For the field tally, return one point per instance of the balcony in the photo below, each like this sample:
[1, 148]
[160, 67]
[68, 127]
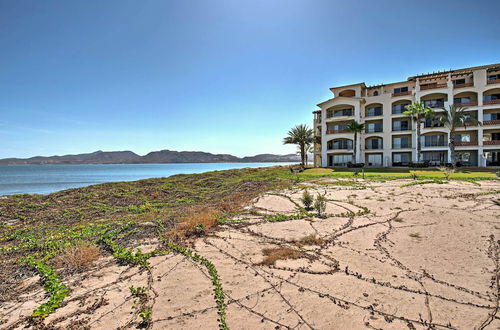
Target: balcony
[487, 102]
[491, 122]
[463, 85]
[401, 94]
[402, 146]
[434, 104]
[465, 144]
[433, 86]
[466, 104]
[491, 143]
[336, 131]
[494, 81]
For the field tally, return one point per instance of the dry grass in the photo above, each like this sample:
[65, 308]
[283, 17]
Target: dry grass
[281, 253]
[309, 240]
[201, 219]
[198, 221]
[78, 257]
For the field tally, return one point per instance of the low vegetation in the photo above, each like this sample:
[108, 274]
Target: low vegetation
[57, 235]
[280, 253]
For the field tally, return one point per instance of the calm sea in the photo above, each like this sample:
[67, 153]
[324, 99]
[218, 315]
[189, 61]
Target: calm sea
[43, 179]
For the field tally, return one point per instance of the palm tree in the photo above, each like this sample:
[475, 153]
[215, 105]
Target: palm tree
[417, 111]
[452, 118]
[355, 127]
[302, 136]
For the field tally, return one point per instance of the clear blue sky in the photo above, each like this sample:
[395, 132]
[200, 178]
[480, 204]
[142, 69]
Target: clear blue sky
[221, 76]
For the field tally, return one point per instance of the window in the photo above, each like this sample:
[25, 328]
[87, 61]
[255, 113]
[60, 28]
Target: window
[438, 140]
[462, 100]
[491, 97]
[375, 93]
[342, 159]
[494, 77]
[464, 157]
[435, 156]
[491, 116]
[337, 127]
[401, 142]
[401, 125]
[373, 127]
[374, 111]
[462, 137]
[459, 82]
[375, 143]
[342, 112]
[399, 108]
[400, 90]
[436, 103]
[374, 159]
[340, 144]
[428, 122]
[401, 157]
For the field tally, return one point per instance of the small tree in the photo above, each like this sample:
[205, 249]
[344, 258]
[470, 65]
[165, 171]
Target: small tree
[307, 199]
[320, 205]
[452, 118]
[302, 136]
[355, 127]
[417, 111]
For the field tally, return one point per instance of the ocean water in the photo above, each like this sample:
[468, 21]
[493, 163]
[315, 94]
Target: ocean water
[44, 179]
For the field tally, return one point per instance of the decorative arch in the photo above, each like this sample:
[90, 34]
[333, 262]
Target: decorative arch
[340, 144]
[348, 93]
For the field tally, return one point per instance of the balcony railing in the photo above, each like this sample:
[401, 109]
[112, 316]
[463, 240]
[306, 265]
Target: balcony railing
[429, 145]
[491, 122]
[435, 86]
[401, 93]
[491, 82]
[438, 104]
[335, 131]
[463, 85]
[401, 146]
[491, 143]
[341, 148]
[486, 102]
[466, 104]
[465, 144]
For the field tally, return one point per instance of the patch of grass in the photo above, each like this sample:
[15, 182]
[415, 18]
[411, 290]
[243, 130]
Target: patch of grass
[418, 182]
[281, 253]
[286, 217]
[196, 222]
[309, 240]
[78, 257]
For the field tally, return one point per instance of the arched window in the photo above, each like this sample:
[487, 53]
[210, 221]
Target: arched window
[375, 93]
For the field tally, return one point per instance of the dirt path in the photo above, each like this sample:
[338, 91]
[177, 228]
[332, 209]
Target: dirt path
[387, 257]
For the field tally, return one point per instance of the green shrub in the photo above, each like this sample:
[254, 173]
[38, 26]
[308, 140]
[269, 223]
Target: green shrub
[320, 205]
[307, 199]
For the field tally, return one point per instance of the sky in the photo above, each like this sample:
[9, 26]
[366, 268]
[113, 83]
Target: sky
[220, 76]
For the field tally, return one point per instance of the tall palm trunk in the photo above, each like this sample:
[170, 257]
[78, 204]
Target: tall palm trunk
[452, 149]
[355, 147]
[303, 153]
[419, 144]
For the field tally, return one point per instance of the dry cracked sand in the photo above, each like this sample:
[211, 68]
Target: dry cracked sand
[424, 257]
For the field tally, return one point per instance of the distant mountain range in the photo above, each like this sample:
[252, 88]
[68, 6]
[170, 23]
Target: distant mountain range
[162, 156]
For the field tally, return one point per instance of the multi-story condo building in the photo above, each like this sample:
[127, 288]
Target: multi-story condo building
[389, 137]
